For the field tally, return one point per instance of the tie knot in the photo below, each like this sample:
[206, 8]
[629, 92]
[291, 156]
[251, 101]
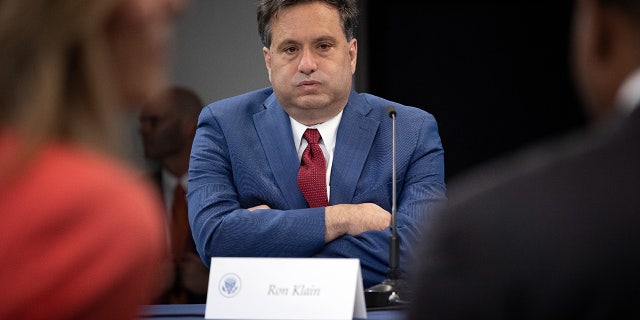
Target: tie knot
[312, 136]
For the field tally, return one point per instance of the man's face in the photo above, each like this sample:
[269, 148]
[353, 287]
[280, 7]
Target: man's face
[310, 62]
[160, 128]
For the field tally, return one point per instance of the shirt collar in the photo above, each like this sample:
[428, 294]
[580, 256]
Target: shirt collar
[628, 96]
[328, 131]
[169, 181]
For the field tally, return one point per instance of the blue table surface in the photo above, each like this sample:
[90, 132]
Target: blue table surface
[196, 311]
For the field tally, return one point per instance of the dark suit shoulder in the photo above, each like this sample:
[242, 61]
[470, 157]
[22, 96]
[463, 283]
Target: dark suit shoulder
[588, 172]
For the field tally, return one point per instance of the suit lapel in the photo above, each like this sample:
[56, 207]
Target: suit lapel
[274, 129]
[356, 133]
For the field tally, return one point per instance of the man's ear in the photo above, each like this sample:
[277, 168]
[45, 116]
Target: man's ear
[267, 60]
[604, 34]
[595, 30]
[353, 54]
[604, 52]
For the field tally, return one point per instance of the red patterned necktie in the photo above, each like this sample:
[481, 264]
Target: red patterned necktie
[180, 230]
[313, 171]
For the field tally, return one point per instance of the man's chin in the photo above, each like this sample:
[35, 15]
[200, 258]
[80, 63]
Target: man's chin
[312, 102]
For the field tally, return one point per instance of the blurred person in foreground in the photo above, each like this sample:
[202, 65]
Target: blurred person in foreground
[553, 232]
[167, 127]
[81, 236]
[303, 168]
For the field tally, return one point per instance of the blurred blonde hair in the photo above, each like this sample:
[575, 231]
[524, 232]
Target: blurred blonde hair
[56, 82]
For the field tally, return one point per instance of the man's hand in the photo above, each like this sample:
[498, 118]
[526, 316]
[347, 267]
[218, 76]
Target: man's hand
[262, 206]
[354, 219]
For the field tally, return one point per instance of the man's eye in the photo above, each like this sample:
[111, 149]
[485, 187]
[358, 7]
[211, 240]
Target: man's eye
[324, 46]
[290, 50]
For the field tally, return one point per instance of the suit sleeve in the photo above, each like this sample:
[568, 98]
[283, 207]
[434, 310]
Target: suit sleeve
[220, 222]
[421, 190]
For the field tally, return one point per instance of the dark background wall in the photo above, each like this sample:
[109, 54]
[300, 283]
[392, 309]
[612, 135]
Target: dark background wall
[496, 75]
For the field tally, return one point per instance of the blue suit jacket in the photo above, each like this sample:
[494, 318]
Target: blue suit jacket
[243, 155]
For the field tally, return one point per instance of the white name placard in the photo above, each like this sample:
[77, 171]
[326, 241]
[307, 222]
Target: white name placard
[285, 288]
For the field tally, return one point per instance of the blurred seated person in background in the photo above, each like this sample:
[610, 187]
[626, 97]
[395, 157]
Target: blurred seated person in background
[303, 168]
[81, 236]
[552, 233]
[167, 126]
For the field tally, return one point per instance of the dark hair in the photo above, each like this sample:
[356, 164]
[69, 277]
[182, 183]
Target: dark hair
[267, 9]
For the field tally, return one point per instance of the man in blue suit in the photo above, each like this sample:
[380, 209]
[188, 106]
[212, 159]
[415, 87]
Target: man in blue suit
[244, 194]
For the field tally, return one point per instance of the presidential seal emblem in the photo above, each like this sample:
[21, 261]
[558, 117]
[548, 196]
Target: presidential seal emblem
[229, 285]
